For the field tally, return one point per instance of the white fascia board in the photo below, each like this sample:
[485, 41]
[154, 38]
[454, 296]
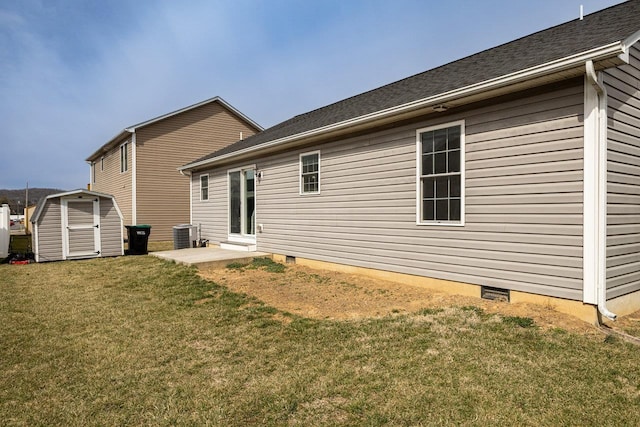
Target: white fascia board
[107, 146]
[627, 43]
[603, 52]
[191, 107]
[132, 128]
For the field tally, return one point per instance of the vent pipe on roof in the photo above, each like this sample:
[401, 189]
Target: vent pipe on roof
[581, 12]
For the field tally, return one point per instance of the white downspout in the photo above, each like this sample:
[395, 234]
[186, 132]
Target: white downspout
[601, 189]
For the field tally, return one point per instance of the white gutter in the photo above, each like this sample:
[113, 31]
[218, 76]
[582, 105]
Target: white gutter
[573, 61]
[600, 187]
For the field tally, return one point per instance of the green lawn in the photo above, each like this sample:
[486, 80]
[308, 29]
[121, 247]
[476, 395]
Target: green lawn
[139, 341]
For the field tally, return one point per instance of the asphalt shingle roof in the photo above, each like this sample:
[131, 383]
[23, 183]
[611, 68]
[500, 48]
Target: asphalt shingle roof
[598, 29]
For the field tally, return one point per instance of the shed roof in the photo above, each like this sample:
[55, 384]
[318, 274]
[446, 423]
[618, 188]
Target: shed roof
[131, 129]
[601, 36]
[80, 191]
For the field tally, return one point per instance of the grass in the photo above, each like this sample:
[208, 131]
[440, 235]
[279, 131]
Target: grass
[266, 264]
[139, 341]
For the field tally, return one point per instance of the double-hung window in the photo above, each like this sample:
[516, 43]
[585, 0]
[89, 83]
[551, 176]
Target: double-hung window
[204, 187]
[310, 173]
[441, 174]
[124, 157]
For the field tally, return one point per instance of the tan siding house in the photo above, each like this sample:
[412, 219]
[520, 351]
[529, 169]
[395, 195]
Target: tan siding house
[139, 166]
[513, 172]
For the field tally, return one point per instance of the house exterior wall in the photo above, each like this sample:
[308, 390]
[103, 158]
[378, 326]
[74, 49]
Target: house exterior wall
[623, 177]
[212, 215]
[162, 192]
[523, 228]
[48, 242]
[111, 235]
[112, 181]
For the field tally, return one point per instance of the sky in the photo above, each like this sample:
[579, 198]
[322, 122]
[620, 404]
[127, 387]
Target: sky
[75, 73]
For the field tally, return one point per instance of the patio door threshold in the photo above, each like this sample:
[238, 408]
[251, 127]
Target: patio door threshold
[239, 246]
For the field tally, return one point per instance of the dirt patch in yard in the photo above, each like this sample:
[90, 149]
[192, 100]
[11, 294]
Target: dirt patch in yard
[325, 294]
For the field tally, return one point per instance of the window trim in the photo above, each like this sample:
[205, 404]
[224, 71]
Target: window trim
[301, 182]
[202, 176]
[102, 164]
[419, 220]
[124, 165]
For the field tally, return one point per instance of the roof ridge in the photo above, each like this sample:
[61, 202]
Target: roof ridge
[430, 70]
[568, 39]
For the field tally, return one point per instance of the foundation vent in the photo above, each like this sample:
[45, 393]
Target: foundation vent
[290, 259]
[495, 294]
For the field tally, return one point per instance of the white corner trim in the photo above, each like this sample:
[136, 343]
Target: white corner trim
[190, 199]
[134, 186]
[36, 248]
[63, 228]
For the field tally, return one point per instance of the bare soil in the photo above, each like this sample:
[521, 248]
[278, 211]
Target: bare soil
[323, 294]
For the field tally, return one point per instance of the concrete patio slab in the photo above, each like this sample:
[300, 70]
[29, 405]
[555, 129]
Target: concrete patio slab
[211, 257]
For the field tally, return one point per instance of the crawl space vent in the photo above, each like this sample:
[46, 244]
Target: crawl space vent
[290, 259]
[495, 294]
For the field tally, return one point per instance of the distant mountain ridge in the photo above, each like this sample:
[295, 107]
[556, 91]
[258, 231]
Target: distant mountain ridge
[16, 198]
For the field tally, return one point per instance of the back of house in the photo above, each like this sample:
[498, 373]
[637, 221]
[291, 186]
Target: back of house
[139, 165]
[512, 173]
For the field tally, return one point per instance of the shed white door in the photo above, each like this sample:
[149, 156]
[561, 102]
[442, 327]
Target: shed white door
[81, 227]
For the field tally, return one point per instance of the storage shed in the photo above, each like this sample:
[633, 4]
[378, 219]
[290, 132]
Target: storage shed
[77, 224]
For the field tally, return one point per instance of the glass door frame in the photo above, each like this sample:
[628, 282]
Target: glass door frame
[243, 236]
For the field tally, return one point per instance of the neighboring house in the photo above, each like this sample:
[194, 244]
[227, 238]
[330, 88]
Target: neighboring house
[514, 172]
[139, 165]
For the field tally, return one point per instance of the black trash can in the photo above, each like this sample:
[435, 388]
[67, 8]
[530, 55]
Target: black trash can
[138, 236]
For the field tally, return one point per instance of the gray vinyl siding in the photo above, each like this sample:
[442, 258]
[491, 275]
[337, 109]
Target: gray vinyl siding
[523, 226]
[162, 192]
[211, 215]
[49, 246]
[623, 178]
[111, 229]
